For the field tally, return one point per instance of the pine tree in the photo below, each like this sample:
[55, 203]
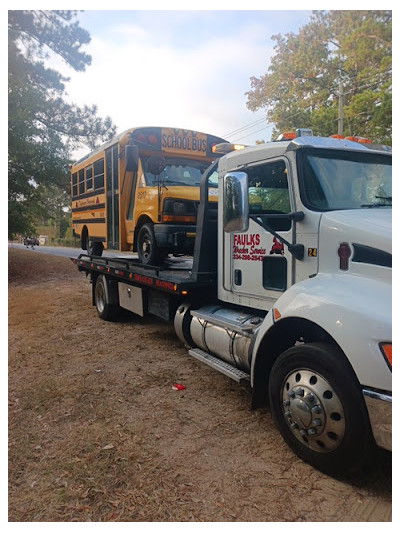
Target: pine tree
[43, 128]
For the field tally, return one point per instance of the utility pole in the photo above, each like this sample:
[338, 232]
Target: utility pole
[340, 117]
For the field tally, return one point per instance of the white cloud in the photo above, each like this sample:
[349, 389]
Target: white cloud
[139, 77]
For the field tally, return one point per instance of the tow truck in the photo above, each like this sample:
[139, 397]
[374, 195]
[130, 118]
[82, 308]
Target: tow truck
[288, 290]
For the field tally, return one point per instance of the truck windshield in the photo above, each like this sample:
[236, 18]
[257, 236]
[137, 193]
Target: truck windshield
[334, 180]
[177, 171]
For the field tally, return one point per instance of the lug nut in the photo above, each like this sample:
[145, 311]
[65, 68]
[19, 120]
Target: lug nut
[286, 402]
[317, 422]
[300, 392]
[292, 394]
[294, 425]
[312, 431]
[288, 414]
[316, 409]
[310, 397]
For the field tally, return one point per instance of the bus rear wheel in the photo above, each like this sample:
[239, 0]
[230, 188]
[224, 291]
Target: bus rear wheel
[95, 248]
[92, 247]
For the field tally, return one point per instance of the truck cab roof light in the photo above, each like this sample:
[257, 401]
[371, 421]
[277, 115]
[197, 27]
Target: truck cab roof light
[226, 148]
[361, 140]
[290, 135]
[286, 136]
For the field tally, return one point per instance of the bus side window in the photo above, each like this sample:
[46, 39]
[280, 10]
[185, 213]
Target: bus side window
[74, 184]
[89, 178]
[81, 181]
[98, 171]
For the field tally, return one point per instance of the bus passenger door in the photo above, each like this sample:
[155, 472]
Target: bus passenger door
[112, 197]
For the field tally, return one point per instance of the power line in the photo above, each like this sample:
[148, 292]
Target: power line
[250, 125]
[254, 132]
[381, 75]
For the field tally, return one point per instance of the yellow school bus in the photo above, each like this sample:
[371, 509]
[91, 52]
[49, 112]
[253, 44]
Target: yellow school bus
[140, 192]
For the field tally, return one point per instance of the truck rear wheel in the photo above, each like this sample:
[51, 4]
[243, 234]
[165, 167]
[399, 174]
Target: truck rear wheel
[318, 407]
[106, 299]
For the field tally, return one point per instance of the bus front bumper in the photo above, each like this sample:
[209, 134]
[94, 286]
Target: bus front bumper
[176, 238]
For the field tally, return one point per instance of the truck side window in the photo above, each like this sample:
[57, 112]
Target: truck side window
[269, 193]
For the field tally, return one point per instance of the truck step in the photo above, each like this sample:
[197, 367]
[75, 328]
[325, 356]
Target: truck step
[223, 367]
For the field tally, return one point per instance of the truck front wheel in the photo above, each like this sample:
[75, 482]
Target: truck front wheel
[317, 404]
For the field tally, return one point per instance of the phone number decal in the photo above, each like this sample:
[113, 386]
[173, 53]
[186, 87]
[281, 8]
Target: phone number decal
[247, 247]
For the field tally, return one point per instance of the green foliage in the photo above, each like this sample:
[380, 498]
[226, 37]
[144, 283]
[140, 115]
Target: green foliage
[43, 129]
[300, 88]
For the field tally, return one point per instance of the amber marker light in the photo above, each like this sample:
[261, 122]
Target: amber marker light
[276, 314]
[386, 349]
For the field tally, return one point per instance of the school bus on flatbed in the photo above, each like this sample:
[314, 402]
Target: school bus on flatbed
[140, 192]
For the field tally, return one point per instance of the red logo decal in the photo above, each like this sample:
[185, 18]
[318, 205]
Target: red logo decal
[277, 247]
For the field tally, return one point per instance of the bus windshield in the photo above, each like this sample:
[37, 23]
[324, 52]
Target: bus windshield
[177, 171]
[334, 180]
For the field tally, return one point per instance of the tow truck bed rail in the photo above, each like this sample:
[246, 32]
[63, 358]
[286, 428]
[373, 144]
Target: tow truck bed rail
[174, 276]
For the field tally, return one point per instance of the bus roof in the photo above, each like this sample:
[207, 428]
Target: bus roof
[127, 135]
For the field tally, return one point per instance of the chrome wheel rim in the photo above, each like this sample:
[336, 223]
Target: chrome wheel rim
[313, 410]
[146, 246]
[100, 297]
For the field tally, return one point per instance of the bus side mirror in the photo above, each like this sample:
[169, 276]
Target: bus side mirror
[235, 202]
[131, 158]
[156, 164]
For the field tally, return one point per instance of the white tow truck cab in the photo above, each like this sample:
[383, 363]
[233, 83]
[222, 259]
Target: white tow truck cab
[290, 289]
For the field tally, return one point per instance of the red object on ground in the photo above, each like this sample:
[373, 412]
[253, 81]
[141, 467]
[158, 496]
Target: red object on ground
[178, 386]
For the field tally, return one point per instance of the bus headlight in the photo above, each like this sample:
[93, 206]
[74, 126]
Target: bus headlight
[181, 211]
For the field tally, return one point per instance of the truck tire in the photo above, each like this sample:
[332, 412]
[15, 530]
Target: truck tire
[147, 246]
[106, 299]
[317, 404]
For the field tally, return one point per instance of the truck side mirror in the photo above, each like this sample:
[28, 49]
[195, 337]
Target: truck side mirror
[131, 157]
[235, 202]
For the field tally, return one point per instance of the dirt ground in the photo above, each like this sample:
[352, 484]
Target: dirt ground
[97, 433]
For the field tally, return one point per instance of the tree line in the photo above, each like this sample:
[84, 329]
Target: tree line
[43, 129]
[338, 57]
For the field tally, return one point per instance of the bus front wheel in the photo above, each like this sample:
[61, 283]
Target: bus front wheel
[147, 246]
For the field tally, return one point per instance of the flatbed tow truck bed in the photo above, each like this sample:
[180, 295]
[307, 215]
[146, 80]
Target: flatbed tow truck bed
[173, 276]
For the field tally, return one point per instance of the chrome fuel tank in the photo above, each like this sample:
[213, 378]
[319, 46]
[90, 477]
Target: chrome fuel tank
[225, 333]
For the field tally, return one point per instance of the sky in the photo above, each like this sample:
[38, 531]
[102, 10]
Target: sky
[179, 68]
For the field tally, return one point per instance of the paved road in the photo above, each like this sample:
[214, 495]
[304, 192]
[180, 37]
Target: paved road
[65, 251]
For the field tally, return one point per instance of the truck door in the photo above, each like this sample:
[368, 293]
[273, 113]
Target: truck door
[261, 265]
[112, 196]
